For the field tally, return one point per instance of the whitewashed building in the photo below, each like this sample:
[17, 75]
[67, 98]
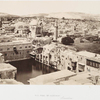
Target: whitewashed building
[1, 58]
[88, 61]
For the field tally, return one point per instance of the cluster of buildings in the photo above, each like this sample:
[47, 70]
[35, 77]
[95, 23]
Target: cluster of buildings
[47, 25]
[72, 26]
[64, 57]
[17, 46]
[14, 49]
[65, 77]
[75, 68]
[19, 28]
[7, 72]
[23, 40]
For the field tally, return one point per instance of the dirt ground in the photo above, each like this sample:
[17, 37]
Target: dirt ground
[91, 47]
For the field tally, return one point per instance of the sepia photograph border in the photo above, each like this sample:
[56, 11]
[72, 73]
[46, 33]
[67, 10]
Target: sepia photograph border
[49, 92]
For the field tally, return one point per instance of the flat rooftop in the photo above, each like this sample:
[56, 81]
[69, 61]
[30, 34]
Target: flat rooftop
[51, 77]
[84, 78]
[86, 53]
[6, 67]
[10, 81]
[0, 54]
[15, 43]
[42, 38]
[6, 36]
[90, 55]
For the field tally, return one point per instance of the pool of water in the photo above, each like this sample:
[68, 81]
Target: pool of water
[30, 68]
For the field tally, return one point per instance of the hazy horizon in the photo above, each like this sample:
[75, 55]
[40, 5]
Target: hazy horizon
[35, 7]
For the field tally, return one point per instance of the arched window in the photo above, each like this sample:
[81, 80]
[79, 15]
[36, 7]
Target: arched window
[15, 49]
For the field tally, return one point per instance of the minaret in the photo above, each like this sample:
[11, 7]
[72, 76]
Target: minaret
[40, 27]
[33, 25]
[56, 32]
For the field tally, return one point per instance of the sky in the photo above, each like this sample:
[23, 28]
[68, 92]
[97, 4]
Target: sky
[34, 7]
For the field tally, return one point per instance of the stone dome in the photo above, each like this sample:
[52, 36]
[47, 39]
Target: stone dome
[20, 24]
[33, 22]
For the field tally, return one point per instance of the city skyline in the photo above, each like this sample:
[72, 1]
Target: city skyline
[35, 7]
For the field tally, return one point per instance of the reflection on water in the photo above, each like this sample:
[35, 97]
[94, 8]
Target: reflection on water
[30, 68]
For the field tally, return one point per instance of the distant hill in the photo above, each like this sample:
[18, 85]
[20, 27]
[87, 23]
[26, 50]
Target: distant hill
[67, 15]
[7, 15]
[74, 15]
[36, 15]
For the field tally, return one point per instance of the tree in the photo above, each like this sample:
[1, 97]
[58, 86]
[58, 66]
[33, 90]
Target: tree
[67, 40]
[63, 18]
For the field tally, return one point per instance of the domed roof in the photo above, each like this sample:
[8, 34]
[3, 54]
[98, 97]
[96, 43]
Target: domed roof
[20, 24]
[33, 22]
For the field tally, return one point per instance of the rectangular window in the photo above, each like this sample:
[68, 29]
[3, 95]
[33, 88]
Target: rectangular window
[5, 54]
[8, 40]
[2, 41]
[88, 63]
[7, 48]
[81, 68]
[62, 56]
[97, 65]
[0, 76]
[1, 49]
[94, 64]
